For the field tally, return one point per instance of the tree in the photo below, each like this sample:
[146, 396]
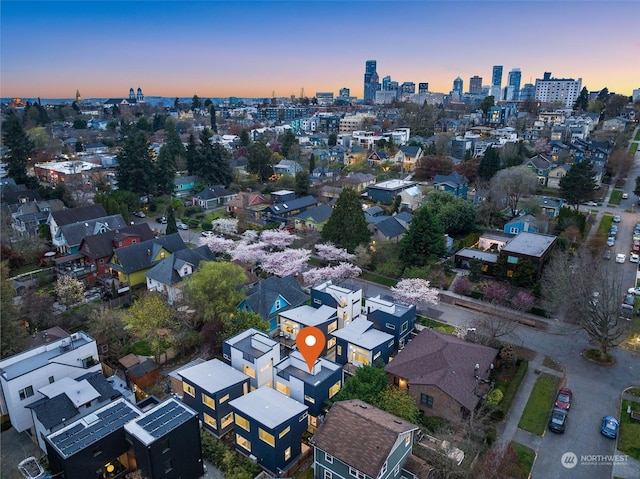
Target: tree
[212, 114]
[366, 384]
[332, 139]
[170, 159]
[69, 291]
[513, 183]
[136, 170]
[150, 319]
[487, 103]
[211, 161]
[172, 227]
[431, 165]
[215, 289]
[329, 252]
[285, 263]
[397, 401]
[457, 216]
[636, 190]
[582, 102]
[259, 160]
[489, 164]
[288, 140]
[196, 104]
[347, 227]
[108, 324]
[414, 291]
[242, 320]
[424, 239]
[20, 148]
[302, 183]
[13, 335]
[579, 184]
[244, 138]
[331, 273]
[524, 274]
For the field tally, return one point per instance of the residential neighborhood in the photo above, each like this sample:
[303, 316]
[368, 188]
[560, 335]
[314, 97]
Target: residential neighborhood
[163, 265]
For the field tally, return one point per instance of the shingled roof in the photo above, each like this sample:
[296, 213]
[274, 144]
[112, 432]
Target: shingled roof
[360, 435]
[444, 361]
[74, 233]
[167, 270]
[102, 245]
[140, 256]
[261, 296]
[74, 215]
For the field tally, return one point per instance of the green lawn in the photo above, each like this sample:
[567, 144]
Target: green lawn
[508, 381]
[433, 324]
[374, 278]
[629, 437]
[633, 149]
[616, 197]
[526, 456]
[637, 138]
[605, 225]
[536, 412]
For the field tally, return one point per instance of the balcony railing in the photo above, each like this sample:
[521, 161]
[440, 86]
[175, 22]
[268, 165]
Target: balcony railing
[75, 270]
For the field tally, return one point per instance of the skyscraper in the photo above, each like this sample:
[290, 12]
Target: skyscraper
[371, 81]
[496, 82]
[475, 85]
[423, 87]
[385, 83]
[514, 80]
[563, 90]
[458, 85]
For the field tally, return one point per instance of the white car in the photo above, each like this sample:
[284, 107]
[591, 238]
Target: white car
[208, 234]
[182, 226]
[634, 258]
[635, 291]
[621, 258]
[591, 203]
[625, 196]
[611, 241]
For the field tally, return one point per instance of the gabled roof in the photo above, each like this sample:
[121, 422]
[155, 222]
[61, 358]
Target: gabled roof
[102, 245]
[74, 233]
[390, 227]
[246, 199]
[74, 215]
[439, 359]
[13, 194]
[360, 435]
[410, 151]
[521, 219]
[213, 192]
[262, 296]
[166, 271]
[453, 179]
[539, 162]
[318, 214]
[294, 204]
[140, 256]
[54, 411]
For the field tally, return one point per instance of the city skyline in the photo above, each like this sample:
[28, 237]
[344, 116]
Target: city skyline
[258, 49]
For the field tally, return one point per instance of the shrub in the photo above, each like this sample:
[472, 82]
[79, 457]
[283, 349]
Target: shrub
[462, 286]
[207, 225]
[432, 423]
[495, 397]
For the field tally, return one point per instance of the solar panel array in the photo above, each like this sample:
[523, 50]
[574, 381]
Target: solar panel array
[79, 436]
[164, 419]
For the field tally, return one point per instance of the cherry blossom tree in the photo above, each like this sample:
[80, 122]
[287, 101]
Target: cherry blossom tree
[496, 293]
[522, 301]
[340, 271]
[250, 236]
[414, 291]
[249, 253]
[225, 225]
[284, 263]
[218, 245]
[279, 239]
[330, 252]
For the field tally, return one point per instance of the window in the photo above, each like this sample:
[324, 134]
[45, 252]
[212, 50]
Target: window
[26, 393]
[339, 350]
[426, 400]
[88, 362]
[266, 437]
[303, 417]
[104, 348]
[226, 420]
[168, 466]
[377, 355]
[189, 389]
[249, 371]
[224, 398]
[165, 446]
[355, 473]
[333, 390]
[328, 474]
[309, 399]
[512, 259]
[51, 379]
[243, 442]
[283, 388]
[404, 326]
[101, 262]
[396, 470]
[284, 432]
[287, 453]
[317, 301]
[210, 420]
[96, 451]
[243, 423]
[328, 458]
[514, 230]
[407, 439]
[332, 327]
[390, 326]
[209, 401]
[383, 470]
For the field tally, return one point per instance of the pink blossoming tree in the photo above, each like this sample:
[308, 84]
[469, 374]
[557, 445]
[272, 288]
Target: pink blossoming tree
[330, 252]
[414, 291]
[340, 271]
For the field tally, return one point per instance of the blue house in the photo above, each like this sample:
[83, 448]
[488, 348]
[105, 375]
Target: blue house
[551, 206]
[281, 212]
[268, 428]
[272, 295]
[521, 223]
[386, 191]
[395, 319]
[312, 388]
[454, 183]
[345, 298]
[254, 353]
[359, 343]
[324, 318]
[184, 185]
[208, 387]
[287, 167]
[361, 441]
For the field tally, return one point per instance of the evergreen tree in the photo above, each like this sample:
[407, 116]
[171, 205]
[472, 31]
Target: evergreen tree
[524, 274]
[302, 183]
[172, 227]
[579, 184]
[191, 155]
[582, 102]
[259, 160]
[196, 104]
[500, 268]
[636, 191]
[457, 216]
[333, 139]
[20, 145]
[213, 165]
[288, 140]
[487, 103]
[212, 114]
[312, 163]
[245, 140]
[135, 171]
[171, 153]
[424, 240]
[347, 227]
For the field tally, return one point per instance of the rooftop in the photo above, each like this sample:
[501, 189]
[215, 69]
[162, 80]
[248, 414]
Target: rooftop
[296, 366]
[213, 375]
[310, 316]
[360, 332]
[529, 244]
[393, 184]
[268, 407]
[158, 421]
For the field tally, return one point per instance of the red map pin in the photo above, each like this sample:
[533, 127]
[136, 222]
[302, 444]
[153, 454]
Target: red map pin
[310, 341]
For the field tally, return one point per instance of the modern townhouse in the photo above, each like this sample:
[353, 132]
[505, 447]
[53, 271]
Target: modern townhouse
[254, 353]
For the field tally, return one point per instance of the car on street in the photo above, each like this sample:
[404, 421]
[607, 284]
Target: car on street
[208, 234]
[591, 203]
[611, 241]
[609, 427]
[607, 255]
[616, 219]
[182, 226]
[621, 258]
[162, 220]
[140, 214]
[625, 196]
[564, 398]
[558, 420]
[635, 291]
[629, 299]
[634, 258]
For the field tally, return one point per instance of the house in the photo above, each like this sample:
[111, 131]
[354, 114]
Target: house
[344, 297]
[324, 318]
[143, 374]
[541, 167]
[287, 167]
[408, 156]
[528, 246]
[70, 236]
[184, 185]
[551, 206]
[387, 228]
[361, 441]
[392, 318]
[519, 224]
[268, 429]
[465, 256]
[377, 157]
[23, 374]
[213, 196]
[285, 210]
[386, 191]
[129, 264]
[313, 219]
[373, 214]
[359, 343]
[446, 376]
[311, 387]
[96, 148]
[245, 202]
[167, 275]
[254, 353]
[208, 388]
[58, 219]
[411, 198]
[358, 181]
[323, 173]
[556, 174]
[28, 216]
[272, 295]
[454, 183]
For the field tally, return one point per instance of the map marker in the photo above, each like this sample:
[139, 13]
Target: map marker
[310, 341]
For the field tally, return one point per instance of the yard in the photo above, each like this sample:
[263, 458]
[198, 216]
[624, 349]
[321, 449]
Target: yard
[433, 324]
[536, 412]
[616, 197]
[629, 440]
[508, 379]
[526, 456]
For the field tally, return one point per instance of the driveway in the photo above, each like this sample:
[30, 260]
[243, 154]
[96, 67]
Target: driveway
[15, 447]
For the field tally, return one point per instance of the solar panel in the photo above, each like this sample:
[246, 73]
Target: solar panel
[162, 430]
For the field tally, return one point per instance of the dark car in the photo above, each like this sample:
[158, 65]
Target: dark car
[558, 420]
[162, 220]
[609, 427]
[564, 398]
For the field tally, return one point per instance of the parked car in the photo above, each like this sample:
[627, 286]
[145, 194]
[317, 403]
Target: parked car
[591, 203]
[629, 299]
[609, 427]
[616, 219]
[564, 398]
[208, 234]
[635, 291]
[558, 420]
[140, 214]
[607, 255]
[634, 258]
[625, 196]
[182, 226]
[621, 258]
[162, 220]
[611, 241]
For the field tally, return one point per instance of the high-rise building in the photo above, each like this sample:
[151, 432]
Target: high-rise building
[385, 83]
[408, 88]
[514, 78]
[496, 82]
[345, 92]
[371, 80]
[528, 92]
[475, 85]
[563, 90]
[458, 85]
[423, 87]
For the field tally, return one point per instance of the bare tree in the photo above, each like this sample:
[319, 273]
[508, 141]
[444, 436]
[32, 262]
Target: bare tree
[513, 183]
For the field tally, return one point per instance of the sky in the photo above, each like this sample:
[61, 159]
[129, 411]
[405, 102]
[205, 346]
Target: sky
[212, 49]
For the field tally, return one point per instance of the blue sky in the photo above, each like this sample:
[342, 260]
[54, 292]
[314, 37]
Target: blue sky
[257, 48]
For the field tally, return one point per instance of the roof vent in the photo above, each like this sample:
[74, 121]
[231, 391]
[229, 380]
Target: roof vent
[148, 252]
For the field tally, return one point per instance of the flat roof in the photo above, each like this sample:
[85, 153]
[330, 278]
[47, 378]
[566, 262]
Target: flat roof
[213, 375]
[268, 406]
[158, 421]
[295, 366]
[310, 316]
[360, 332]
[485, 256]
[393, 184]
[529, 244]
[79, 392]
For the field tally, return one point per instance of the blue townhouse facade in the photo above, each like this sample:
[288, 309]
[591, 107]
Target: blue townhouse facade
[359, 343]
[268, 428]
[311, 388]
[324, 318]
[208, 388]
[392, 318]
[254, 353]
